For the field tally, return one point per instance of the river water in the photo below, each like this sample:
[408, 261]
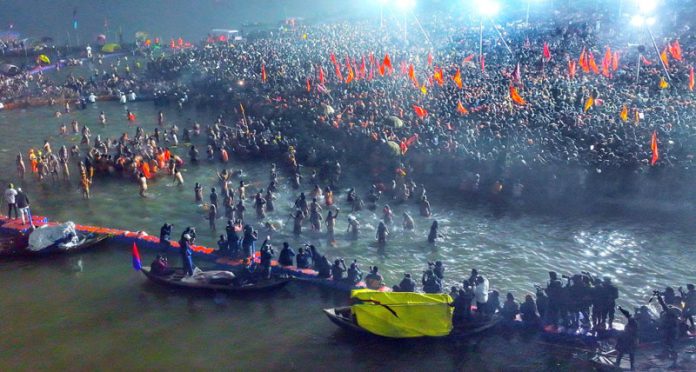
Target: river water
[91, 310]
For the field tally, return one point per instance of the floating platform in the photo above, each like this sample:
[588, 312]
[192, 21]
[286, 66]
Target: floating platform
[18, 233]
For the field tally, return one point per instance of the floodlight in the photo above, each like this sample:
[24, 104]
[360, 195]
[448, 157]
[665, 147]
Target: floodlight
[647, 6]
[405, 5]
[637, 20]
[383, 2]
[650, 21]
[488, 7]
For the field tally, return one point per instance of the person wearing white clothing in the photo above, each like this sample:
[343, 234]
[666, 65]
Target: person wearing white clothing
[10, 199]
[481, 292]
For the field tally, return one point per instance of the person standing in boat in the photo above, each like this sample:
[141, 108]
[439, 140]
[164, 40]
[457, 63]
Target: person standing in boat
[232, 239]
[266, 257]
[10, 199]
[22, 201]
[528, 312]
[481, 293]
[249, 241]
[186, 254]
[286, 256]
[627, 342]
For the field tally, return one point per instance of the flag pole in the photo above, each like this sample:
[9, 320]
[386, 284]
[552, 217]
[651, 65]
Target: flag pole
[662, 63]
[638, 66]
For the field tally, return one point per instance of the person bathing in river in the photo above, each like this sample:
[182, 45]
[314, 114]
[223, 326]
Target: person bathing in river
[433, 234]
[212, 216]
[198, 193]
[21, 168]
[178, 178]
[408, 223]
[142, 181]
[388, 215]
[331, 224]
[382, 233]
[270, 206]
[260, 204]
[298, 218]
[353, 227]
[424, 207]
[315, 215]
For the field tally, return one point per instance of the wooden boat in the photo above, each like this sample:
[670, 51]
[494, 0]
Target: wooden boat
[85, 241]
[178, 279]
[343, 317]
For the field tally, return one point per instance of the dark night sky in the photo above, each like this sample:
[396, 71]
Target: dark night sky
[167, 18]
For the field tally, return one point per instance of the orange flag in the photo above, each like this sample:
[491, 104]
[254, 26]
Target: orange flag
[691, 78]
[263, 73]
[309, 86]
[653, 148]
[664, 58]
[589, 103]
[624, 114]
[593, 64]
[468, 58]
[412, 74]
[606, 62]
[381, 69]
[458, 79]
[420, 112]
[437, 76]
[615, 61]
[663, 84]
[461, 109]
[584, 64]
[515, 96]
[571, 69]
[321, 75]
[351, 75]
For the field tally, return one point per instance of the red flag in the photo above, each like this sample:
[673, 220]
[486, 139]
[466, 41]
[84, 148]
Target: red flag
[381, 69]
[137, 265]
[571, 69]
[547, 52]
[615, 61]
[653, 147]
[430, 59]
[468, 58]
[420, 112]
[321, 75]
[333, 59]
[645, 60]
[691, 78]
[461, 109]
[675, 50]
[363, 68]
[309, 86]
[515, 96]
[483, 63]
[263, 72]
[387, 62]
[458, 79]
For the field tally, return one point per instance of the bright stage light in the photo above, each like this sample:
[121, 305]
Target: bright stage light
[405, 5]
[650, 21]
[647, 6]
[383, 2]
[637, 20]
[488, 8]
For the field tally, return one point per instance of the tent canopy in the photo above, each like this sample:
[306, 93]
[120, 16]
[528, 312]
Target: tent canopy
[403, 314]
[110, 48]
